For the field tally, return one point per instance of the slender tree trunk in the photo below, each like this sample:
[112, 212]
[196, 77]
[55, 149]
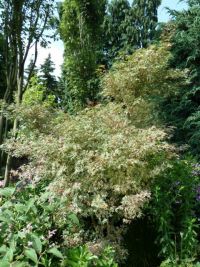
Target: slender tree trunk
[15, 126]
[4, 131]
[3, 120]
[7, 171]
[2, 134]
[1, 140]
[9, 158]
[5, 136]
[1, 127]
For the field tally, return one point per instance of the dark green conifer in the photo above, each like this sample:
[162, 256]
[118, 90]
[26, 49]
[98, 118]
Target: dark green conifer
[81, 33]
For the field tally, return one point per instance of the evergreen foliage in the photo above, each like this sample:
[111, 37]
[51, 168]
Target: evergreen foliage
[182, 109]
[115, 29]
[48, 78]
[146, 19]
[31, 68]
[81, 33]
[128, 27]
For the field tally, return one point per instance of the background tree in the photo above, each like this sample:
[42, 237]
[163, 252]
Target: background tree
[145, 20]
[23, 24]
[31, 68]
[182, 109]
[47, 76]
[2, 90]
[115, 27]
[81, 33]
[2, 68]
[129, 27]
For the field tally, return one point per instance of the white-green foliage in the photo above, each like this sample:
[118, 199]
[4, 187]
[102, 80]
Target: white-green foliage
[139, 80]
[98, 155]
[101, 160]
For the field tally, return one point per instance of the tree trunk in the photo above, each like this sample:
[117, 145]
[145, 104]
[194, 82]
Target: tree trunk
[9, 158]
[15, 126]
[3, 135]
[1, 141]
[1, 128]
[7, 171]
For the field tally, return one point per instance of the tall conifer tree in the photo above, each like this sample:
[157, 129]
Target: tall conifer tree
[81, 33]
[183, 109]
[47, 75]
[115, 28]
[129, 27]
[145, 20]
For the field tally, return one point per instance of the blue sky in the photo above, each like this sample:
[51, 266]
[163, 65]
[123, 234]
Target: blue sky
[56, 48]
[172, 4]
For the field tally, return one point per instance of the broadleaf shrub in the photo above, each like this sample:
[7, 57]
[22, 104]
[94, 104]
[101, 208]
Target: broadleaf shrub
[141, 80]
[31, 232]
[174, 205]
[102, 163]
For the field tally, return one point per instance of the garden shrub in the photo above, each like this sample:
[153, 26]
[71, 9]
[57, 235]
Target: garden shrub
[141, 80]
[102, 162]
[99, 161]
[174, 205]
[32, 235]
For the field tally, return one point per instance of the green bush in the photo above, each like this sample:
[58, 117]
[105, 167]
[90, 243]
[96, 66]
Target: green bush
[103, 162]
[169, 263]
[32, 235]
[99, 160]
[174, 206]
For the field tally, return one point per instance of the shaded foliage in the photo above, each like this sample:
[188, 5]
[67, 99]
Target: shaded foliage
[81, 33]
[175, 211]
[182, 110]
[128, 27]
[2, 68]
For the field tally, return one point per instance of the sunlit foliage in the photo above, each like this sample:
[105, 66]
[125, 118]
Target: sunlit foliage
[102, 160]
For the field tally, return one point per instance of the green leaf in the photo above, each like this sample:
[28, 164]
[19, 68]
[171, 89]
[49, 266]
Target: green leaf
[20, 264]
[13, 242]
[4, 263]
[37, 244]
[71, 263]
[74, 218]
[20, 208]
[31, 254]
[7, 192]
[30, 204]
[9, 255]
[7, 216]
[5, 219]
[3, 249]
[55, 252]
